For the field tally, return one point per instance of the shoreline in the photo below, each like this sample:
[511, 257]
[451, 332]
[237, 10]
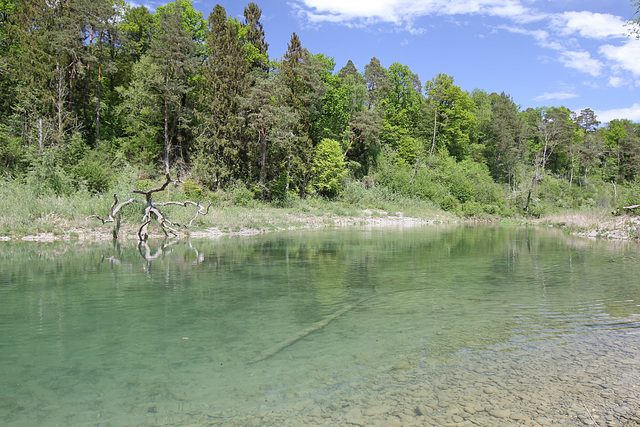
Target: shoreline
[587, 225]
[603, 226]
[297, 222]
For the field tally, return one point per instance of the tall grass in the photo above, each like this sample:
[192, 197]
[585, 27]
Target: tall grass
[25, 210]
[28, 211]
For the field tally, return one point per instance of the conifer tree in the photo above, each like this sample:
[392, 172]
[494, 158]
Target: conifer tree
[225, 77]
[258, 58]
[172, 52]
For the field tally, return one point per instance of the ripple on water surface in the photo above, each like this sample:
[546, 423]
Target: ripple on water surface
[435, 325]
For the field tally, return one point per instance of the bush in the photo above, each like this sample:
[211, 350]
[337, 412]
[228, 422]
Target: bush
[46, 176]
[242, 196]
[329, 168]
[192, 190]
[95, 171]
[13, 155]
[355, 193]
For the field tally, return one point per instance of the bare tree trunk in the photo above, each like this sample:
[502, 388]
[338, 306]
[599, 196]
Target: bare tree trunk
[40, 137]
[60, 100]
[166, 123]
[88, 79]
[99, 89]
[166, 134]
[571, 177]
[263, 161]
[433, 141]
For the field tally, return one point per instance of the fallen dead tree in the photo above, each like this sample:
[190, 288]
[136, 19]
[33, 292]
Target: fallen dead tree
[303, 333]
[151, 212]
[627, 209]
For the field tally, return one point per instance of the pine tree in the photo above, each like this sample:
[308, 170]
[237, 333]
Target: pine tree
[221, 154]
[172, 51]
[258, 58]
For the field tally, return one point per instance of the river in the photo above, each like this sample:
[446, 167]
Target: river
[429, 325]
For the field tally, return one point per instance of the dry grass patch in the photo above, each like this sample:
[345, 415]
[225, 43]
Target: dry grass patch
[596, 224]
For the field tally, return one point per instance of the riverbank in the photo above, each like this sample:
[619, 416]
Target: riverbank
[595, 225]
[231, 222]
[240, 221]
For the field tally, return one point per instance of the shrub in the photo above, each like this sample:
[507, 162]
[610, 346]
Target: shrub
[46, 176]
[192, 190]
[94, 170]
[13, 155]
[354, 192]
[329, 168]
[242, 196]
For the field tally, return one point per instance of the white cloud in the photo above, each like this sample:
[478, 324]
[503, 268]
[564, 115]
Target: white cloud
[570, 35]
[625, 56]
[590, 25]
[542, 37]
[617, 81]
[401, 11]
[582, 61]
[555, 95]
[631, 113]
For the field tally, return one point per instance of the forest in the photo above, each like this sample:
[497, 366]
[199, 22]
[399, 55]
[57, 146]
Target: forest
[95, 89]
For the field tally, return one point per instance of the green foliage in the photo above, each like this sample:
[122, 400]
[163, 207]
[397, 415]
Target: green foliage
[137, 28]
[634, 21]
[94, 171]
[279, 188]
[93, 89]
[628, 194]
[141, 113]
[192, 21]
[240, 195]
[329, 168]
[455, 114]
[465, 188]
[335, 113]
[46, 176]
[192, 190]
[13, 155]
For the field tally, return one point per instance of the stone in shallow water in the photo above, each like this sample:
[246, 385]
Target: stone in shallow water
[377, 410]
[500, 413]
[421, 410]
[354, 416]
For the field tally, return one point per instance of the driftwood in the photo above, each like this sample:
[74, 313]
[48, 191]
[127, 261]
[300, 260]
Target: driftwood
[303, 333]
[114, 214]
[151, 210]
[627, 208]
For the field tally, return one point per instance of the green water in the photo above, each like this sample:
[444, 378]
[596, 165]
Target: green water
[323, 327]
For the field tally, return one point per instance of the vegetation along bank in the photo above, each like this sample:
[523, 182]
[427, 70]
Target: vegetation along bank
[100, 97]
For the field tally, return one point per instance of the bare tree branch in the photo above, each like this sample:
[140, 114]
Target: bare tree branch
[150, 210]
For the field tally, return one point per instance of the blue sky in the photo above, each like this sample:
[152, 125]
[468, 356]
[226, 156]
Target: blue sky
[574, 53]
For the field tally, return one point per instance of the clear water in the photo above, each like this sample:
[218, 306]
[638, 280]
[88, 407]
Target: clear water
[422, 325]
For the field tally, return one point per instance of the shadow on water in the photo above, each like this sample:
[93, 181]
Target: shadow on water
[429, 324]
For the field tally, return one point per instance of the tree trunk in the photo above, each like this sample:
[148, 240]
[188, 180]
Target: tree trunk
[40, 137]
[433, 141]
[263, 161]
[99, 89]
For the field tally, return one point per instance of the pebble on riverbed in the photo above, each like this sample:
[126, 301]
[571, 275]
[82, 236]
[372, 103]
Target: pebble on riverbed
[543, 387]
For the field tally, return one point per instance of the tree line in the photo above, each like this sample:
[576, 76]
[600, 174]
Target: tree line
[92, 85]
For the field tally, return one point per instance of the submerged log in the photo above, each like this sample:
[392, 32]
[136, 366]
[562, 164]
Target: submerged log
[303, 333]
